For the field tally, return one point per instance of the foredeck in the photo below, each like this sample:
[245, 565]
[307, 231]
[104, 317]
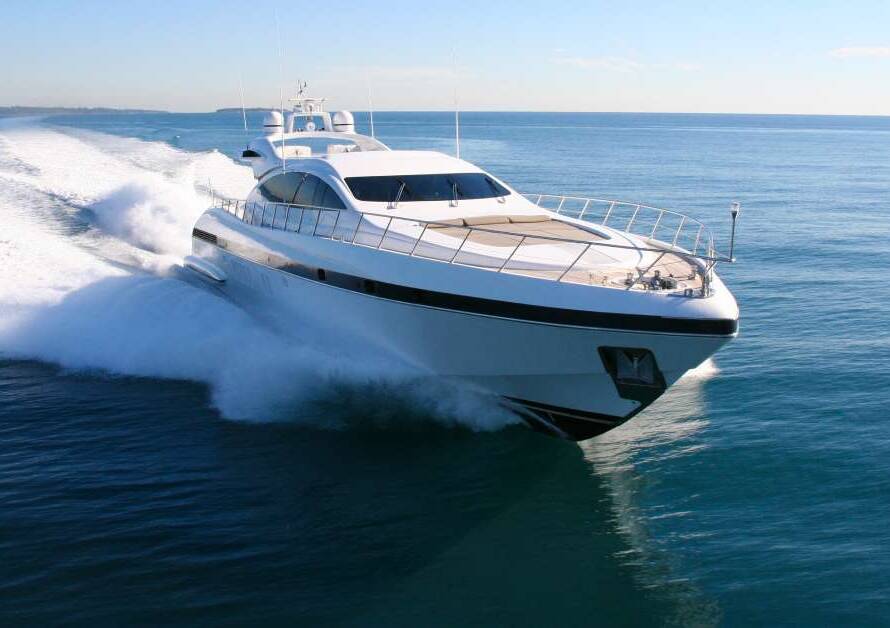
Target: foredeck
[537, 231]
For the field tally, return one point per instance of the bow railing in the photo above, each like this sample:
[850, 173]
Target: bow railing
[534, 255]
[653, 223]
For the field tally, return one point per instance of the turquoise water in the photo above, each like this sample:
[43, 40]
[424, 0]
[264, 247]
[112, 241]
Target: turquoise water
[166, 457]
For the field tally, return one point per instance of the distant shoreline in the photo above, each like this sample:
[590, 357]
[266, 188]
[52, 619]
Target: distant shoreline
[10, 111]
[43, 111]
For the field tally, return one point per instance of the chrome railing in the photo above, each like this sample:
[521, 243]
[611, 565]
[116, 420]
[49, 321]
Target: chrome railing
[515, 253]
[662, 225]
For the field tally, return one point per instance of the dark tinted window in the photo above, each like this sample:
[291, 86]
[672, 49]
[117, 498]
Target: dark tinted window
[306, 193]
[320, 188]
[282, 188]
[331, 199]
[300, 189]
[425, 187]
[470, 186]
[380, 189]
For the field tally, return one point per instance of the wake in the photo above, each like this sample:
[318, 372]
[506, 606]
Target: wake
[94, 230]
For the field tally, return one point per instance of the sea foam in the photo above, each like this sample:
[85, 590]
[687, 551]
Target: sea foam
[94, 225]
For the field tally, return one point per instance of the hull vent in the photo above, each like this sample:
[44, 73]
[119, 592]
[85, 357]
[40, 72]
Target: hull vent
[203, 235]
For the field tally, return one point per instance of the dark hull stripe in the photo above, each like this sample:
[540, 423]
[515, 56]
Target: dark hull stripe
[605, 419]
[564, 422]
[479, 305]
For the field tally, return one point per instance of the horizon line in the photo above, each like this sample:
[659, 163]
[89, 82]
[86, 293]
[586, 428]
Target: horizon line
[63, 108]
[446, 111]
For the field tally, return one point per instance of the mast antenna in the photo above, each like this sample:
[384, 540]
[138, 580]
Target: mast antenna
[370, 106]
[456, 108]
[280, 89]
[243, 110]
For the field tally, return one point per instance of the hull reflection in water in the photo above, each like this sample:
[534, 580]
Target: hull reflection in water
[665, 431]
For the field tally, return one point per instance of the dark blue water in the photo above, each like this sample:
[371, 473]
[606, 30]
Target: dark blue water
[164, 457]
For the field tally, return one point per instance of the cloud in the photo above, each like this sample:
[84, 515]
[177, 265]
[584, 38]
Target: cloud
[614, 64]
[851, 52]
[620, 64]
[403, 72]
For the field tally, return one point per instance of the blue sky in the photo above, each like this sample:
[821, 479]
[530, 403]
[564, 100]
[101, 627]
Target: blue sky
[714, 56]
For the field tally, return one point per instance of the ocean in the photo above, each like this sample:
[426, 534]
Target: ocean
[167, 458]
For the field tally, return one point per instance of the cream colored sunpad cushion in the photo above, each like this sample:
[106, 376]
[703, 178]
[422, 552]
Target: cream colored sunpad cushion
[445, 224]
[475, 221]
[529, 218]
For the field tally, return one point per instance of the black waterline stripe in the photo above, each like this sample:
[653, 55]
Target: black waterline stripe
[479, 305]
[561, 412]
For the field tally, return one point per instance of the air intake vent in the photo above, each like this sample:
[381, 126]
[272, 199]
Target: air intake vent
[203, 235]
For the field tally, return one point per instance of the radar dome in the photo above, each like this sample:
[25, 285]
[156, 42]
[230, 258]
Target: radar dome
[273, 122]
[343, 122]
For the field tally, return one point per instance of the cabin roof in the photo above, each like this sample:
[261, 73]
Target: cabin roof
[396, 162]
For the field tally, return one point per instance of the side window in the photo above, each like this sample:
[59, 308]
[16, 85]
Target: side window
[306, 193]
[331, 199]
[283, 187]
[320, 188]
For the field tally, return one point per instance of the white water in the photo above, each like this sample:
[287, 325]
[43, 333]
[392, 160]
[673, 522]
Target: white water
[93, 227]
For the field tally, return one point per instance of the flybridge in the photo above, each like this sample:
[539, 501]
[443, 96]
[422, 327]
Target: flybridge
[305, 131]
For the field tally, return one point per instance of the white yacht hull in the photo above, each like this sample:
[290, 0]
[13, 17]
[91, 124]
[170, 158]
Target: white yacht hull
[555, 375]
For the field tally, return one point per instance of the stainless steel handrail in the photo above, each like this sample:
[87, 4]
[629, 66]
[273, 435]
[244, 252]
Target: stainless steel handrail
[254, 213]
[689, 230]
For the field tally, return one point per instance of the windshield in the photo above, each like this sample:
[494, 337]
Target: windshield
[425, 187]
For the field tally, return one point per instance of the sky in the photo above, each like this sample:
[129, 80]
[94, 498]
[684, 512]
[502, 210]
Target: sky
[780, 56]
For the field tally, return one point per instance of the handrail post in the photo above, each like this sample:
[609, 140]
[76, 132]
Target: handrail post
[358, 226]
[302, 213]
[419, 238]
[608, 213]
[562, 200]
[632, 218]
[317, 221]
[336, 221]
[680, 228]
[385, 231]
[263, 217]
[657, 220]
[286, 216]
[697, 236]
[572, 265]
[515, 248]
[583, 209]
[462, 242]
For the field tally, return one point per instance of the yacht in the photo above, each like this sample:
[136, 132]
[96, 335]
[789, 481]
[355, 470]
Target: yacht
[576, 313]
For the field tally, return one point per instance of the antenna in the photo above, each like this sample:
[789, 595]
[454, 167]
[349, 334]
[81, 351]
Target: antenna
[370, 106]
[243, 110]
[456, 108]
[280, 89]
